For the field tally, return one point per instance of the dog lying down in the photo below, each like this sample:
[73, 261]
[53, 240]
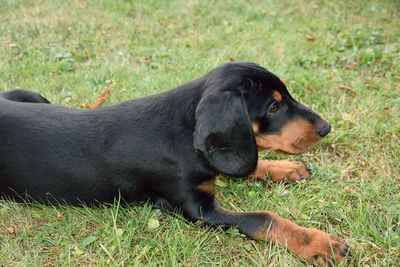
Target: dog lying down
[167, 149]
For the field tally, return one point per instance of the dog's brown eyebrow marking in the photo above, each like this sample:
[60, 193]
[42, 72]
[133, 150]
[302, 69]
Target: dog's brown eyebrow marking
[277, 96]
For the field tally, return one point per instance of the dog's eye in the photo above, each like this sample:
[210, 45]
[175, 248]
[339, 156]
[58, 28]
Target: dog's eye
[274, 107]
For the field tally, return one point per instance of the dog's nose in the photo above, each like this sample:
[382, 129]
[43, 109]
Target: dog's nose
[324, 129]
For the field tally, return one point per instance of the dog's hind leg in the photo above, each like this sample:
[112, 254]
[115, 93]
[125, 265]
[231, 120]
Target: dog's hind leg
[20, 95]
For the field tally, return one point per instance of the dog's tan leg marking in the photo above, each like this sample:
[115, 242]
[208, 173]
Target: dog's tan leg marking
[280, 170]
[207, 187]
[313, 245]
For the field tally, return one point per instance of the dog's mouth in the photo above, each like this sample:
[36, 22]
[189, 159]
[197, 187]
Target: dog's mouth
[299, 146]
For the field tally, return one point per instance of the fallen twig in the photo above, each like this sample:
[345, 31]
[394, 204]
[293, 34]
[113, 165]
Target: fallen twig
[102, 98]
[346, 88]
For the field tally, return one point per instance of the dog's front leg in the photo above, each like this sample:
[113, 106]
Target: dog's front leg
[281, 170]
[311, 244]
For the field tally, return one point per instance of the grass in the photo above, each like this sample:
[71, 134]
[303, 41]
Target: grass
[342, 58]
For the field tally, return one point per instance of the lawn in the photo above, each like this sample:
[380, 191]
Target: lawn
[342, 58]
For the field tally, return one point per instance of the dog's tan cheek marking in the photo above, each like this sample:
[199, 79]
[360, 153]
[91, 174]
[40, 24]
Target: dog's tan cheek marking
[207, 187]
[277, 96]
[269, 141]
[308, 132]
[298, 132]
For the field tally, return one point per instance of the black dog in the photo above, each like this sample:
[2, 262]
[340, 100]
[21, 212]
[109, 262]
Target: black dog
[168, 149]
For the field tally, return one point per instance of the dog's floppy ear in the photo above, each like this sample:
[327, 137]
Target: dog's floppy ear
[223, 134]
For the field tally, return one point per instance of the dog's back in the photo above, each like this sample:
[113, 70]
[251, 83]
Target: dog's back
[37, 139]
[86, 155]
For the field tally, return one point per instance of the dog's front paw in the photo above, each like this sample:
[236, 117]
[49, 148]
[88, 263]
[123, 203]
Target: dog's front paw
[281, 170]
[324, 249]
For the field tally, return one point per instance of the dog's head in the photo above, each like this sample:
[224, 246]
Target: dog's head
[244, 109]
